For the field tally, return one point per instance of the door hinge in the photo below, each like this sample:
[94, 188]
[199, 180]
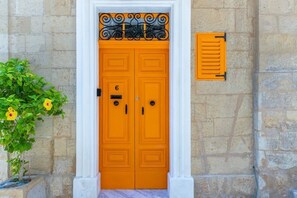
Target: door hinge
[98, 92]
[224, 37]
[223, 75]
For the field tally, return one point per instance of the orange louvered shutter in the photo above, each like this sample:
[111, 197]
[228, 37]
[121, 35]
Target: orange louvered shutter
[211, 56]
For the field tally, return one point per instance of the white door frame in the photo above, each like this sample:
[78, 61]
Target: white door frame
[87, 181]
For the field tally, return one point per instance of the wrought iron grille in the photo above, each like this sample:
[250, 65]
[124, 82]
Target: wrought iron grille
[134, 26]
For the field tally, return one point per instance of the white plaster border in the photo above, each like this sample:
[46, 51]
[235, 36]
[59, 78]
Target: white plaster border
[87, 181]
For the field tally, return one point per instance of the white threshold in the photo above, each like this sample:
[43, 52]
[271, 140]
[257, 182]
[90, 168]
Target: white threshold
[86, 184]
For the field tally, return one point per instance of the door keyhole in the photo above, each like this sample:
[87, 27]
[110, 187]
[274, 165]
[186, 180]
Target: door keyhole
[116, 103]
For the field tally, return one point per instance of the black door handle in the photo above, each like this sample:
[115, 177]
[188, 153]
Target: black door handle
[152, 103]
[126, 109]
[142, 110]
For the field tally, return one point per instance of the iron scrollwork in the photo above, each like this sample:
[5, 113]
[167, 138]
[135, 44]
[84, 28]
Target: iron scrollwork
[134, 26]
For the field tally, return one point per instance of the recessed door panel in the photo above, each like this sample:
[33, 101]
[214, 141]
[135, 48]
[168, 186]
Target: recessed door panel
[152, 94]
[151, 62]
[152, 158]
[119, 158]
[115, 119]
[120, 61]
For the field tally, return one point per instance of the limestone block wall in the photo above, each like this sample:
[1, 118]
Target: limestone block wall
[3, 29]
[222, 135]
[44, 32]
[3, 165]
[3, 57]
[276, 104]
[261, 62]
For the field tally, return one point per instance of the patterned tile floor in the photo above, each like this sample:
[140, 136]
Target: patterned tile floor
[133, 194]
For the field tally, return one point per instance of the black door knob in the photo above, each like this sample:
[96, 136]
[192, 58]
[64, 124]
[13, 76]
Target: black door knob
[116, 103]
[152, 103]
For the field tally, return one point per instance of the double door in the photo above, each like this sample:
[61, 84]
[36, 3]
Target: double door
[133, 115]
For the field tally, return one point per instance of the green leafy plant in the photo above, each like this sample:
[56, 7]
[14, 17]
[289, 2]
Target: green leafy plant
[24, 99]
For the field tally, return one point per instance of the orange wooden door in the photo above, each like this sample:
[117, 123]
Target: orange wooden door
[134, 129]
[151, 131]
[117, 118]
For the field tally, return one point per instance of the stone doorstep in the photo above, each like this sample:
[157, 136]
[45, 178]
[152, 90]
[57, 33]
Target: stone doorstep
[34, 189]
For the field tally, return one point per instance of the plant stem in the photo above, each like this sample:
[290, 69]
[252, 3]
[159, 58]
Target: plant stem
[21, 173]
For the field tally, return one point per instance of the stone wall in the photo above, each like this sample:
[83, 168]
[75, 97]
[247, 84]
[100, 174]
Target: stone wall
[222, 124]
[43, 31]
[3, 57]
[222, 135]
[276, 104]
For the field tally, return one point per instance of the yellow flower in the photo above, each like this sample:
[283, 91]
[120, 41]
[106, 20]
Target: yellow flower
[47, 104]
[11, 114]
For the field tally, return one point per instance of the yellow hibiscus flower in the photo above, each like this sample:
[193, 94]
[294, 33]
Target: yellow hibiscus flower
[11, 114]
[47, 104]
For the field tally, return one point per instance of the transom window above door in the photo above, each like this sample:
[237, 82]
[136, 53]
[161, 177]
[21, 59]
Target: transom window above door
[134, 26]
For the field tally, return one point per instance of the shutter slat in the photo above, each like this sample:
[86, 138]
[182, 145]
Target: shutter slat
[207, 67]
[211, 71]
[209, 60]
[210, 65]
[211, 45]
[208, 41]
[212, 62]
[210, 56]
[211, 48]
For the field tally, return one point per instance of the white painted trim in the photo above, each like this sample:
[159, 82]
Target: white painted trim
[87, 180]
